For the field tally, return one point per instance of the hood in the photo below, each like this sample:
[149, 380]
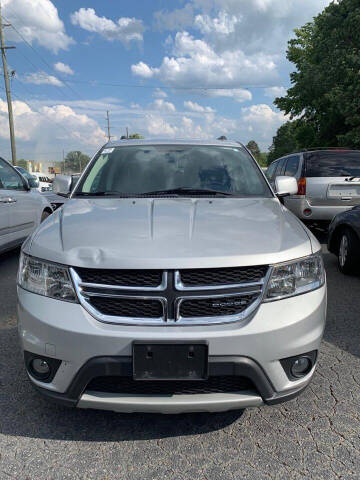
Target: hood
[170, 233]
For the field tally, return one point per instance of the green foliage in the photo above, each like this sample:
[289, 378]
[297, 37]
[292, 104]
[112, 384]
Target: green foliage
[135, 136]
[325, 94]
[262, 159]
[253, 147]
[20, 162]
[76, 161]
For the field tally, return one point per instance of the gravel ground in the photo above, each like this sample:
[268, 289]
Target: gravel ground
[316, 436]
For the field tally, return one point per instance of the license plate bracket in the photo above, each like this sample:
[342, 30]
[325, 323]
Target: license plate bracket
[170, 361]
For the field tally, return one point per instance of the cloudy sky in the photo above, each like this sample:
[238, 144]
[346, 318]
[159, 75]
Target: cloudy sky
[163, 68]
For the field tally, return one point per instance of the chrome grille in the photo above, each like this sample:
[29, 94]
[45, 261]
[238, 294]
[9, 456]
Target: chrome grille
[163, 297]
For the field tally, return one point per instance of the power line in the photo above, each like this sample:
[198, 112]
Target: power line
[38, 54]
[94, 83]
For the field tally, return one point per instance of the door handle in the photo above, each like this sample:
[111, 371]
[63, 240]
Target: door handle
[8, 200]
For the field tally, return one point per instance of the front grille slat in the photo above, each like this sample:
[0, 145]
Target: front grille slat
[214, 384]
[222, 276]
[126, 307]
[124, 278]
[216, 306]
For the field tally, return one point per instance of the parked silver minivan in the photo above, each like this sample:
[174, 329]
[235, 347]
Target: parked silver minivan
[328, 182]
[172, 280]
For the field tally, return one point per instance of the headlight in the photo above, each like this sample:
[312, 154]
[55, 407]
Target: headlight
[294, 278]
[46, 278]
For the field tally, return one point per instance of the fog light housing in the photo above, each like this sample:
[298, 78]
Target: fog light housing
[300, 367]
[40, 367]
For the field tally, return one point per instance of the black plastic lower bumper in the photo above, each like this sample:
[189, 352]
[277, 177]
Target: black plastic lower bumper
[122, 366]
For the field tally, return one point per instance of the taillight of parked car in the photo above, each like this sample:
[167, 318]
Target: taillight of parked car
[302, 186]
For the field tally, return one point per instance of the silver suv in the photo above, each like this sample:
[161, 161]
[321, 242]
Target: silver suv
[328, 182]
[172, 280]
[22, 208]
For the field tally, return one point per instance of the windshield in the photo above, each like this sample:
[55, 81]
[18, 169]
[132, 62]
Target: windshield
[33, 181]
[147, 169]
[333, 164]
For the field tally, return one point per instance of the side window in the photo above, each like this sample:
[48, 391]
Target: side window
[280, 167]
[10, 179]
[271, 170]
[292, 166]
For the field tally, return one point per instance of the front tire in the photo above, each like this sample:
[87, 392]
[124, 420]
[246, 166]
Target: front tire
[349, 252]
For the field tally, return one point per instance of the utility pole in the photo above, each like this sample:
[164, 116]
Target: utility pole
[127, 132]
[108, 126]
[7, 89]
[63, 158]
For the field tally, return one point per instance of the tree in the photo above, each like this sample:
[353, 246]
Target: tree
[290, 137]
[135, 136]
[325, 93]
[20, 162]
[253, 147]
[76, 161]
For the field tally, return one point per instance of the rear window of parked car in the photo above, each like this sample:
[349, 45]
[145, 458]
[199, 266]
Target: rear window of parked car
[333, 164]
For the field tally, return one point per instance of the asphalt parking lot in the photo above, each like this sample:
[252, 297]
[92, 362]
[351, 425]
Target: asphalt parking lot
[316, 436]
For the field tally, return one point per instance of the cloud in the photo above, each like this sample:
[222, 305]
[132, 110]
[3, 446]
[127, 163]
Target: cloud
[142, 70]
[124, 29]
[158, 93]
[43, 78]
[224, 24]
[273, 92]
[38, 22]
[195, 107]
[162, 105]
[196, 63]
[262, 121]
[51, 125]
[177, 19]
[238, 94]
[63, 68]
[249, 25]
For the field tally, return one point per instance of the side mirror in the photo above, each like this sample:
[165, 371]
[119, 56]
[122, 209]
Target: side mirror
[33, 182]
[26, 184]
[285, 186]
[62, 185]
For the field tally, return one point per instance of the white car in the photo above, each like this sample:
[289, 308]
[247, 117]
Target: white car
[22, 208]
[45, 184]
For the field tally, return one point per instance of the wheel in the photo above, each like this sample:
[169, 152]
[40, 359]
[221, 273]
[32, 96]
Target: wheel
[45, 214]
[349, 252]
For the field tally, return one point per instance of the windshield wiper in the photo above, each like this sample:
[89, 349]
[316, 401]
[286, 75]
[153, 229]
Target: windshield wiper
[189, 191]
[97, 194]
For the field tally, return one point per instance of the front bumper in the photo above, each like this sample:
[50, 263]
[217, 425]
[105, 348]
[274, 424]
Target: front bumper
[275, 331]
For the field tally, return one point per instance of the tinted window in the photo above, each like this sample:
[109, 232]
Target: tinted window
[146, 168]
[9, 178]
[280, 167]
[271, 170]
[292, 166]
[333, 164]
